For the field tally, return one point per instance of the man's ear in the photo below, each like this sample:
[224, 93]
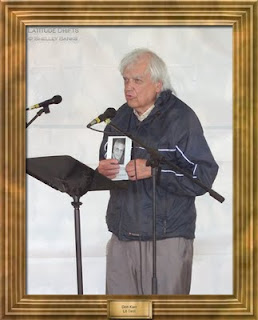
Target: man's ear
[158, 86]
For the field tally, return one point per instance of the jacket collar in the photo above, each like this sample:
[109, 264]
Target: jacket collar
[161, 104]
[163, 97]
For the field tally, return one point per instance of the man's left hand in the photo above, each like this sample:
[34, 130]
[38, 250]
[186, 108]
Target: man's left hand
[137, 169]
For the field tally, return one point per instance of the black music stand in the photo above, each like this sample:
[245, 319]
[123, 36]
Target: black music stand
[73, 177]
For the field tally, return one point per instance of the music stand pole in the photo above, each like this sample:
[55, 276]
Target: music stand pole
[76, 204]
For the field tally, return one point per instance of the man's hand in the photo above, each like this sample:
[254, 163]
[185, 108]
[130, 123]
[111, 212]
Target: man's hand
[109, 168]
[138, 165]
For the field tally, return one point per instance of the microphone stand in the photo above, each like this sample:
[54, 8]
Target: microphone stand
[39, 113]
[154, 170]
[154, 162]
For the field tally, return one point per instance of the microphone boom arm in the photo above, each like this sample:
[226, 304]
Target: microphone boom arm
[157, 157]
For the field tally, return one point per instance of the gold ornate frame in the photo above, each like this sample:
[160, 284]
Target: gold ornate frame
[15, 16]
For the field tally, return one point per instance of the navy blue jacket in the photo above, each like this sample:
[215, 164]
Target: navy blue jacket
[174, 129]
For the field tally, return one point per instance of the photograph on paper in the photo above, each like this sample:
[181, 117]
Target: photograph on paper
[119, 148]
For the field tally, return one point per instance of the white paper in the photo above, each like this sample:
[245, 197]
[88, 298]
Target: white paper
[119, 147]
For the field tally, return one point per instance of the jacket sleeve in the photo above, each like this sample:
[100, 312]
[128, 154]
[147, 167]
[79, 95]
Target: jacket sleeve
[192, 154]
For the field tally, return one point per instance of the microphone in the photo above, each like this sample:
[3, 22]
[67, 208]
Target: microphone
[106, 116]
[54, 100]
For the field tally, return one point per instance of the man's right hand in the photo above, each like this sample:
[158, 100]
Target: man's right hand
[109, 168]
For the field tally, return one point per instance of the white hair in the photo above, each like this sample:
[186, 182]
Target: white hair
[156, 67]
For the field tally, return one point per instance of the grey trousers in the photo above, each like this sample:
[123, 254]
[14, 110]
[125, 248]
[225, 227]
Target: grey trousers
[130, 263]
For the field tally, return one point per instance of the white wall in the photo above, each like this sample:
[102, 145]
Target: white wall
[80, 64]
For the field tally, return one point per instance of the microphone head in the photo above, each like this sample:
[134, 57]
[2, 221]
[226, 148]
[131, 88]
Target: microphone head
[109, 114]
[56, 99]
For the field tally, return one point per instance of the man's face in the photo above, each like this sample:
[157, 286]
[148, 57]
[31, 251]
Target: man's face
[118, 150]
[140, 91]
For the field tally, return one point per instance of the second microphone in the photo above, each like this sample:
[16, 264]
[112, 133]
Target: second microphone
[108, 114]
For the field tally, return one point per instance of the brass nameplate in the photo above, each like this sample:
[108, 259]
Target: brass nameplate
[129, 309]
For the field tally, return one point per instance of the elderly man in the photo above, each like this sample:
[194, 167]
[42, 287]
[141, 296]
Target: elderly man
[157, 118]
